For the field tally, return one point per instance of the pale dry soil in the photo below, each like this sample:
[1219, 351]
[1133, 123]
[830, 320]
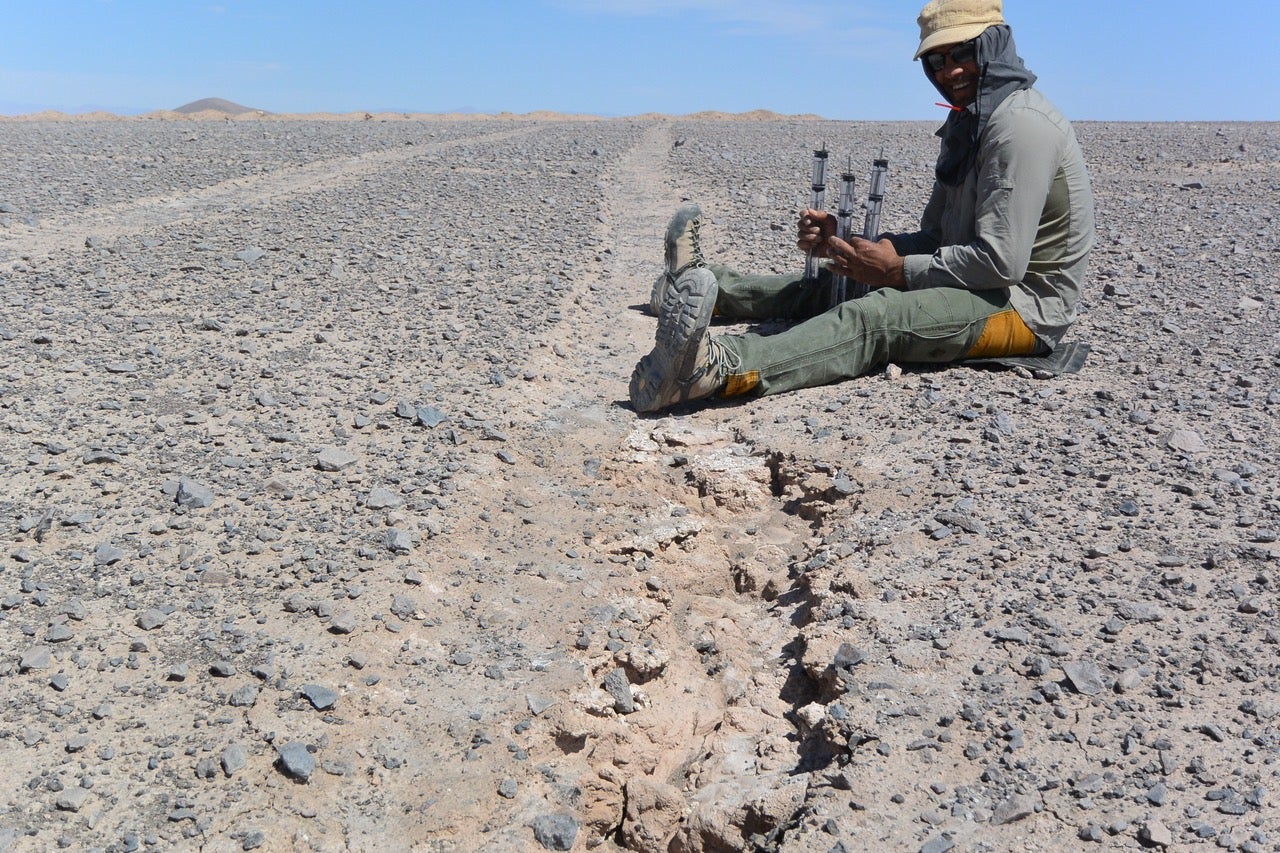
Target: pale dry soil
[316, 451]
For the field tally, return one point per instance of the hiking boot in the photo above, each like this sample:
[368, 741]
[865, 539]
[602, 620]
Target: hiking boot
[686, 362]
[683, 251]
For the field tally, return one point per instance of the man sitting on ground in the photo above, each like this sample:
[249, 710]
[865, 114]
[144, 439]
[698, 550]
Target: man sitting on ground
[995, 269]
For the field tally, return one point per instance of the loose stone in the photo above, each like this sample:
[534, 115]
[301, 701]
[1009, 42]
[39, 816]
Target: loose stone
[334, 459]
[193, 494]
[344, 623]
[381, 498]
[72, 799]
[1085, 677]
[555, 832]
[296, 761]
[35, 658]
[151, 618]
[233, 758]
[617, 686]
[321, 698]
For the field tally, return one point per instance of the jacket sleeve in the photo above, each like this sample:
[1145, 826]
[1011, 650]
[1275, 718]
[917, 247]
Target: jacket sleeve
[1017, 160]
[927, 240]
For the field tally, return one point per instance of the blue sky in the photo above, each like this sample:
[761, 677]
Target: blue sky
[1098, 59]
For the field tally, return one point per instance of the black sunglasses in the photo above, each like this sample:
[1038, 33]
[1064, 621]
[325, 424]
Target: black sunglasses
[961, 53]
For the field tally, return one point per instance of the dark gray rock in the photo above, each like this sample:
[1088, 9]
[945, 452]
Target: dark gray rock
[334, 459]
[381, 498]
[429, 416]
[244, 696]
[296, 761]
[555, 832]
[618, 687]
[404, 606]
[1090, 832]
[1015, 808]
[1139, 611]
[71, 799]
[193, 494]
[1085, 677]
[848, 656]
[398, 541]
[1013, 634]
[321, 698]
[963, 520]
[938, 844]
[233, 758]
[35, 658]
[107, 554]
[344, 623]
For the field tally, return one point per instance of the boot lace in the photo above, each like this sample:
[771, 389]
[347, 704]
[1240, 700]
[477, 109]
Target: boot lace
[717, 366]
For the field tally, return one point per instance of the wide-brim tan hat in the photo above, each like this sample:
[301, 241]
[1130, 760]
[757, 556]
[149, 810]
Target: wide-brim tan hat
[945, 22]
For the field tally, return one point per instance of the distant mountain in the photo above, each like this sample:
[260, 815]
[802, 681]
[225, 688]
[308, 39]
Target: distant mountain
[219, 105]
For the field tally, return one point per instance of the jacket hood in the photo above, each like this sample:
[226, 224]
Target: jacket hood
[1001, 72]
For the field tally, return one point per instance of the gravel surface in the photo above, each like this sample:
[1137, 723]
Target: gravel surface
[329, 527]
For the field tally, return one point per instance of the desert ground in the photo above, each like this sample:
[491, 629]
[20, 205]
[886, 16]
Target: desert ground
[328, 525]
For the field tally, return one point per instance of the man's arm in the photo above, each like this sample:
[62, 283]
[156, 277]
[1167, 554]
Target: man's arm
[876, 264]
[927, 240]
[880, 263]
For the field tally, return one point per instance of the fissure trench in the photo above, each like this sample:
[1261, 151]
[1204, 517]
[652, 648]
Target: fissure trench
[716, 731]
[730, 611]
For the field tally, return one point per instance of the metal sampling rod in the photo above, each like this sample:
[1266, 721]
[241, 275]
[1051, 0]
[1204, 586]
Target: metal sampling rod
[844, 222]
[875, 203]
[817, 201]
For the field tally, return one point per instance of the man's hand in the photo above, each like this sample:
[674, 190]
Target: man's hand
[876, 264]
[813, 231]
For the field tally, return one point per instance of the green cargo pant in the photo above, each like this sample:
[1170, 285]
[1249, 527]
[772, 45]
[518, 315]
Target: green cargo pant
[935, 325]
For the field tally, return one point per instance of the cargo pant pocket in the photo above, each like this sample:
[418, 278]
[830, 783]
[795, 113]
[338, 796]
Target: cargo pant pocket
[937, 326]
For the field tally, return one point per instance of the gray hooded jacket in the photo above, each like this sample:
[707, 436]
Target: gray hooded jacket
[1016, 208]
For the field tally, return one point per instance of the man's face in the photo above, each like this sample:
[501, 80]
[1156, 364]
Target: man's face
[955, 68]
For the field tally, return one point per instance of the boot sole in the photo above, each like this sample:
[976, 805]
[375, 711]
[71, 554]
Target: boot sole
[686, 313]
[660, 287]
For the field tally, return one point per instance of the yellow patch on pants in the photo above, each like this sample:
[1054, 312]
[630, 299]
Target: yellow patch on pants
[740, 383]
[1004, 334]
